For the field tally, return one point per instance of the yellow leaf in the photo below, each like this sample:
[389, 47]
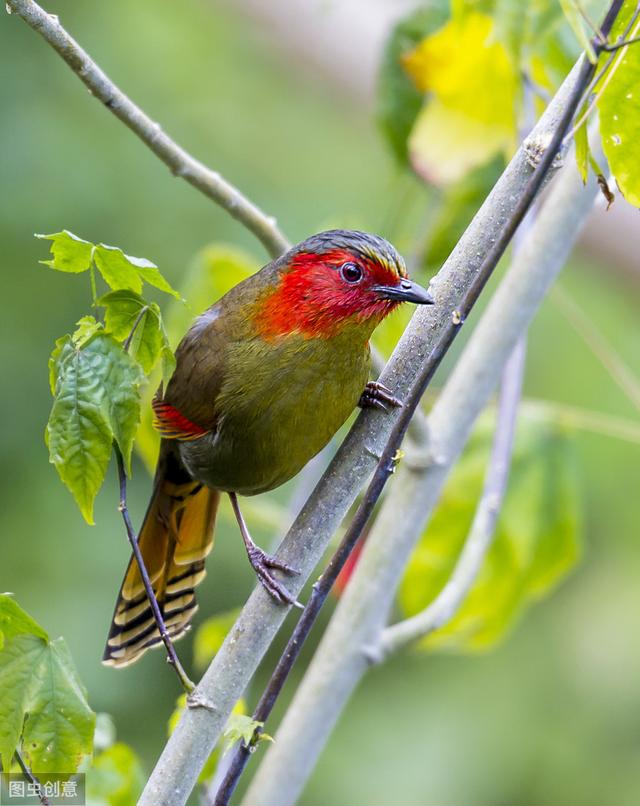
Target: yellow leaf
[470, 115]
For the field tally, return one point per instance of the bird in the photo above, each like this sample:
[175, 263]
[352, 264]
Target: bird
[263, 380]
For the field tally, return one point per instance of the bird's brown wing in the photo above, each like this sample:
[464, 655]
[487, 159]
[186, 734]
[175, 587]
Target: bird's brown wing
[186, 410]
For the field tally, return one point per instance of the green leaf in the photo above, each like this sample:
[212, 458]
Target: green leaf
[126, 309]
[43, 708]
[398, 99]
[96, 400]
[240, 728]
[168, 363]
[122, 271]
[536, 541]
[151, 274]
[116, 268]
[575, 20]
[123, 399]
[70, 253]
[619, 111]
[210, 635]
[78, 433]
[582, 151]
[86, 328]
[15, 621]
[115, 778]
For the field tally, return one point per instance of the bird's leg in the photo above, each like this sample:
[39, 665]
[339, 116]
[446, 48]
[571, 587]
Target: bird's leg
[261, 562]
[377, 396]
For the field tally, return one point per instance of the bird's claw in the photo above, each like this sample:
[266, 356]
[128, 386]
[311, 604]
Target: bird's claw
[261, 562]
[376, 395]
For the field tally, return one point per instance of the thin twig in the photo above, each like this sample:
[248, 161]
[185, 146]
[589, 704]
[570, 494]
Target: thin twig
[127, 342]
[605, 70]
[172, 657]
[623, 44]
[179, 161]
[618, 370]
[537, 89]
[31, 778]
[386, 464]
[594, 28]
[482, 531]
[597, 422]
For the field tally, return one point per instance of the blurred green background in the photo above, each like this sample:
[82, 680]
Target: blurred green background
[553, 715]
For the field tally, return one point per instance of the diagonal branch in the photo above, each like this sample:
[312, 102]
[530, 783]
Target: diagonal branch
[179, 161]
[344, 653]
[413, 361]
[386, 463]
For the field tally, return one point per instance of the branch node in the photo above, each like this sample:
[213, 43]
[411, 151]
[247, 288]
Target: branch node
[373, 654]
[373, 452]
[198, 700]
[535, 147]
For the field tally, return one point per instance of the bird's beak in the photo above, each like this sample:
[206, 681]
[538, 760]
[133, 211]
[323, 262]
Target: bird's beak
[405, 291]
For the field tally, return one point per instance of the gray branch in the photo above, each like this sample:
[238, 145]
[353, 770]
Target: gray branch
[231, 670]
[179, 162]
[344, 652]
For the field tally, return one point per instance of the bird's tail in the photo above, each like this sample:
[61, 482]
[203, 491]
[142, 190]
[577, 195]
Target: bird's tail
[175, 538]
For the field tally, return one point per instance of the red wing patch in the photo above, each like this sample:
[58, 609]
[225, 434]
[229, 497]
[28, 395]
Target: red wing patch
[173, 425]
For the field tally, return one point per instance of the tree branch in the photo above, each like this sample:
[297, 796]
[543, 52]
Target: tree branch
[482, 531]
[477, 544]
[386, 463]
[232, 668]
[179, 161]
[342, 657]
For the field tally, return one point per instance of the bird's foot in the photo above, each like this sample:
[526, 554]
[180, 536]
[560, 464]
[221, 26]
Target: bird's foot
[377, 396]
[261, 563]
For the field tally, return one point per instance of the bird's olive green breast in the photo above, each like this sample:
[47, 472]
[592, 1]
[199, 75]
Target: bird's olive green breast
[279, 403]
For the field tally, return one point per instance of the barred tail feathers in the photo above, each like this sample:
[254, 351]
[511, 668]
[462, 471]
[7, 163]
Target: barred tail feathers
[175, 538]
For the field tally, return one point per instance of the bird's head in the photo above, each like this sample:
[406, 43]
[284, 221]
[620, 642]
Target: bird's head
[336, 280]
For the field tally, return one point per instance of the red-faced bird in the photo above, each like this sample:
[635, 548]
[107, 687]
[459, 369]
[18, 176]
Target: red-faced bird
[263, 380]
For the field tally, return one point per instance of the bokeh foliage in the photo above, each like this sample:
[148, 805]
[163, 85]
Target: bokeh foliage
[556, 695]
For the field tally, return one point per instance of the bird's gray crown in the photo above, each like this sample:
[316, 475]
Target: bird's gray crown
[364, 244]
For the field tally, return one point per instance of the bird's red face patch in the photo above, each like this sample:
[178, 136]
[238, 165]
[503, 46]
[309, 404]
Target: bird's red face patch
[320, 294]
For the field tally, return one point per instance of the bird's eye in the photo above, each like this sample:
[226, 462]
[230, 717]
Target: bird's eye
[351, 272]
